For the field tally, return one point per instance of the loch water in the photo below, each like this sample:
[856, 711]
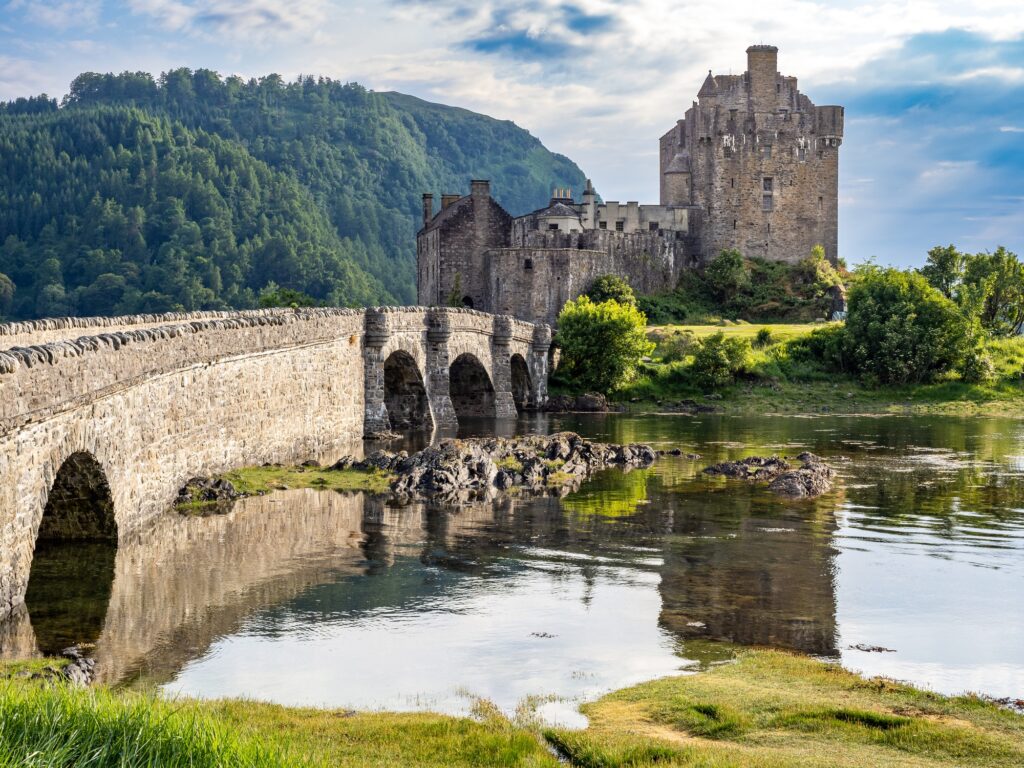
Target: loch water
[912, 568]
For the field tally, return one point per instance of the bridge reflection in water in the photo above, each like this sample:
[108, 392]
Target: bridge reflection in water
[701, 566]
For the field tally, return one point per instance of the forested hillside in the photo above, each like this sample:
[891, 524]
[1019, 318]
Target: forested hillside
[197, 192]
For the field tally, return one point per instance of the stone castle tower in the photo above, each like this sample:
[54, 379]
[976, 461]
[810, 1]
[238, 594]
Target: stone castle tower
[753, 165]
[759, 162]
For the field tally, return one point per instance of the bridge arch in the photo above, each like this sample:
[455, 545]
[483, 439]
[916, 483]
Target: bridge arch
[522, 383]
[472, 391]
[405, 394]
[71, 573]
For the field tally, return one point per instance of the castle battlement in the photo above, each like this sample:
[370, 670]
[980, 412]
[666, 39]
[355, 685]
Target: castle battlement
[753, 165]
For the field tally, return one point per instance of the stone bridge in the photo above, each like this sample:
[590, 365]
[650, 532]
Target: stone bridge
[103, 420]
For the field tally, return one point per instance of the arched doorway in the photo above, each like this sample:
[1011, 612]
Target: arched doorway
[73, 564]
[522, 384]
[405, 397]
[467, 301]
[471, 390]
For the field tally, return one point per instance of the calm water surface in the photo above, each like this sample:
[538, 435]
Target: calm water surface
[320, 598]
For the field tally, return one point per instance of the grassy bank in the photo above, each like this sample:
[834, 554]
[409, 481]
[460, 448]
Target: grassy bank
[255, 481]
[767, 709]
[772, 383]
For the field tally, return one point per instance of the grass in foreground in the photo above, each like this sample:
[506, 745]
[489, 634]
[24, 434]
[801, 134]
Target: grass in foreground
[773, 384]
[775, 709]
[770, 709]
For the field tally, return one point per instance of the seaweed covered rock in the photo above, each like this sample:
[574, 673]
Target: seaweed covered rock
[812, 478]
[456, 469]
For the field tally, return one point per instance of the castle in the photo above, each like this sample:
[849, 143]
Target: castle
[753, 165]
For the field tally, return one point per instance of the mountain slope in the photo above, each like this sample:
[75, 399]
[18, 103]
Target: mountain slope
[314, 185]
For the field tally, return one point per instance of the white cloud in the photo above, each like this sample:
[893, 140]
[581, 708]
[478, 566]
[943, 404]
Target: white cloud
[239, 20]
[61, 15]
[1011, 129]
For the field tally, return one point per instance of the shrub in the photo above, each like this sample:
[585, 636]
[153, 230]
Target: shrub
[677, 346]
[977, 367]
[718, 360]
[763, 338]
[826, 346]
[611, 288]
[726, 274]
[601, 344]
[902, 330]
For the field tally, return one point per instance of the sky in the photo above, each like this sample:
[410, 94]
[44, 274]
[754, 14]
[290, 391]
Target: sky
[933, 89]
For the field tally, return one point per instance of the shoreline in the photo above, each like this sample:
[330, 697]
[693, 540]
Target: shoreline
[767, 707]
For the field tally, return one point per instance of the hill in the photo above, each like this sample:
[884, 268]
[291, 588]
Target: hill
[192, 191]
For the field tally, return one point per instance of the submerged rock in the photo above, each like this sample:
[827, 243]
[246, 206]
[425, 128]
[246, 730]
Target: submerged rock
[812, 478]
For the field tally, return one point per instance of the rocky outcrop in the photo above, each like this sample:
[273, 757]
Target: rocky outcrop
[812, 478]
[205, 490]
[458, 470]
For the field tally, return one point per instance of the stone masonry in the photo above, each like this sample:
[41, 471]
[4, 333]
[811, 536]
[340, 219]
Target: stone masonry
[753, 166]
[154, 405]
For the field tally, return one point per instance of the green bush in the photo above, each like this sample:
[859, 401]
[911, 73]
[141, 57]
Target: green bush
[718, 360]
[677, 346]
[726, 274]
[611, 288]
[763, 338]
[902, 330]
[977, 367]
[601, 344]
[826, 346]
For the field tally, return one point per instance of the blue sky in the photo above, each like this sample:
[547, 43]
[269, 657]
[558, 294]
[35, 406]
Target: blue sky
[934, 90]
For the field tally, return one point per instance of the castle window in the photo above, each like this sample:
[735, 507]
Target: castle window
[802, 153]
[528, 264]
[553, 227]
[734, 223]
[821, 202]
[767, 203]
[767, 151]
[768, 183]
[654, 226]
[602, 225]
[732, 182]
[620, 226]
[778, 87]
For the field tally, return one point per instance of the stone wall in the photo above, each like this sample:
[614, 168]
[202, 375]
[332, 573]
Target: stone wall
[155, 406]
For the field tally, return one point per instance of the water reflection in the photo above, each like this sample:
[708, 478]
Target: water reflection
[312, 597]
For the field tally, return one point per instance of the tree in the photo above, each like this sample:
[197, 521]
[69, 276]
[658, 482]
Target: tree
[726, 274]
[902, 330]
[6, 295]
[611, 287]
[602, 344]
[944, 269]
[274, 295]
[993, 287]
[718, 359]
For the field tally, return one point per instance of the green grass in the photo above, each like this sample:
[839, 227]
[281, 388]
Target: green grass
[774, 384]
[253, 481]
[769, 709]
[772, 708]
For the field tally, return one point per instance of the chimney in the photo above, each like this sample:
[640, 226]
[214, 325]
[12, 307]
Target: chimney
[480, 188]
[428, 208]
[447, 200]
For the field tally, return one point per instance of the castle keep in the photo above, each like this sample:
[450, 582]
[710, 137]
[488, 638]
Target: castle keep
[753, 165]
